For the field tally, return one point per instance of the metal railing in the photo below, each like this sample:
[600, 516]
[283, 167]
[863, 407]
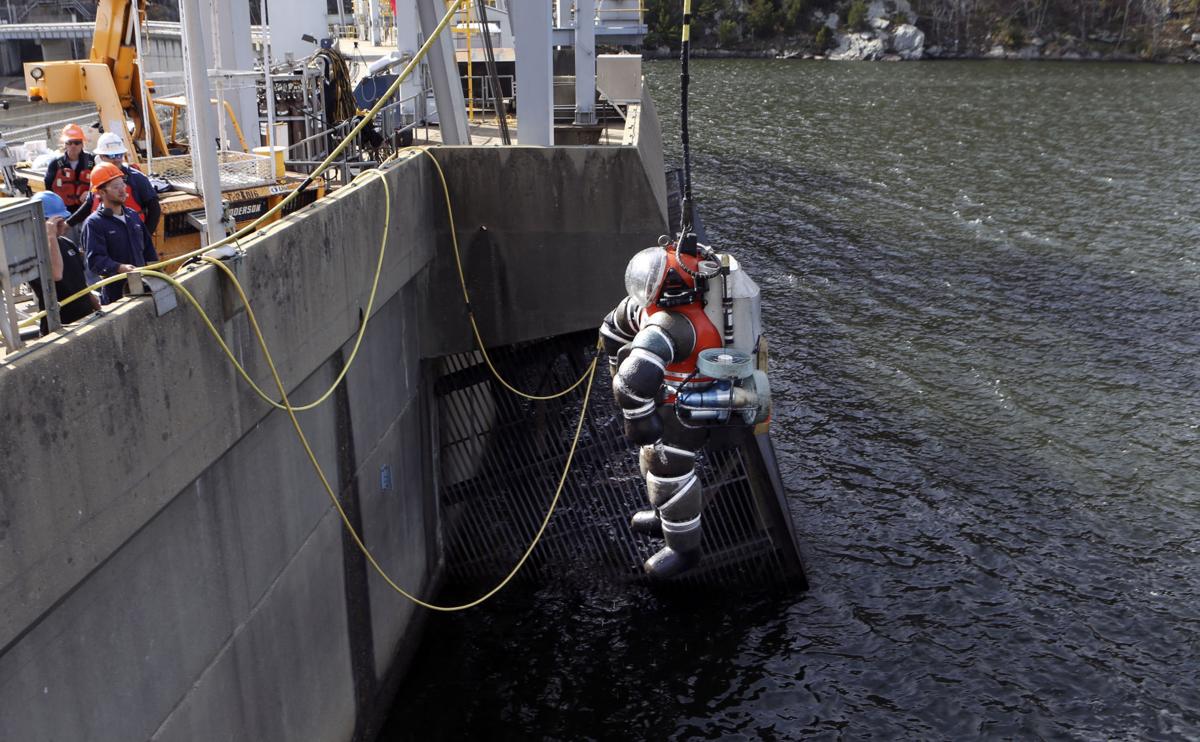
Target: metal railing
[83, 10]
[352, 161]
[485, 102]
[604, 14]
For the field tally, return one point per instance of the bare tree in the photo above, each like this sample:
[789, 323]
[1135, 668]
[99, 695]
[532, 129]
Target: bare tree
[1034, 13]
[1125, 23]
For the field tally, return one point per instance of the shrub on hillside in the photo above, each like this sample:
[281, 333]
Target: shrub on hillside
[856, 18]
[727, 32]
[761, 17]
[1010, 35]
[823, 39]
[793, 12]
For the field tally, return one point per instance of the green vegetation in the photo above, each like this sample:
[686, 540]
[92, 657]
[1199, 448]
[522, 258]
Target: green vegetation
[856, 18]
[793, 15]
[662, 22]
[968, 25]
[824, 39]
[728, 32]
[761, 17]
[1009, 34]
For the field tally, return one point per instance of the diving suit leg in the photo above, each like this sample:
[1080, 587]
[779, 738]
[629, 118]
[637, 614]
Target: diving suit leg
[666, 461]
[678, 501]
[674, 491]
[646, 521]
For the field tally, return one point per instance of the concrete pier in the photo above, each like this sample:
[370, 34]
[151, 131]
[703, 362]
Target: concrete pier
[170, 566]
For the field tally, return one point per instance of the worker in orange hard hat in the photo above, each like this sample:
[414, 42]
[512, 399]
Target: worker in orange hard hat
[115, 238]
[69, 175]
[141, 199]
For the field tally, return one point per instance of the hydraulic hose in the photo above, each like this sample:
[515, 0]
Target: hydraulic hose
[685, 53]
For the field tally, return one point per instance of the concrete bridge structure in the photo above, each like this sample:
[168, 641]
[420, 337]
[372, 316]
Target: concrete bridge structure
[170, 566]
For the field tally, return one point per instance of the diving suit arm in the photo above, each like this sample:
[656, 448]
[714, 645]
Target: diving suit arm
[639, 379]
[635, 386]
[619, 329]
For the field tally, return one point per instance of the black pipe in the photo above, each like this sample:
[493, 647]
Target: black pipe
[493, 75]
[687, 238]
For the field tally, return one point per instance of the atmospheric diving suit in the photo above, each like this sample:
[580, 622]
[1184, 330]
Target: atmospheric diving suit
[682, 348]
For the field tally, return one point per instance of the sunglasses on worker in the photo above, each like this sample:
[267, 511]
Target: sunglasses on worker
[76, 142]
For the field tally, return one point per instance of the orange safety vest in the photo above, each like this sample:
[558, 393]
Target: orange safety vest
[707, 334]
[73, 186]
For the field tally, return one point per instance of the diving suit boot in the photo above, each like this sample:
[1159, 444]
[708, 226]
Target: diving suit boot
[646, 522]
[682, 551]
[668, 563]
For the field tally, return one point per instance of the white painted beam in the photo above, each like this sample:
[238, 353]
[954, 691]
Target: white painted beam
[291, 19]
[585, 62]
[228, 45]
[407, 42]
[532, 26]
[374, 23]
[201, 124]
[443, 70]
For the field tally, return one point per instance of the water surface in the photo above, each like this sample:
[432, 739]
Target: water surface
[981, 292]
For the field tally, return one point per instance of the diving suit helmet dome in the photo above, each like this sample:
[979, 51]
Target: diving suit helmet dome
[644, 275]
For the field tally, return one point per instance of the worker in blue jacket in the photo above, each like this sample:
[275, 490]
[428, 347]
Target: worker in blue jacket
[115, 238]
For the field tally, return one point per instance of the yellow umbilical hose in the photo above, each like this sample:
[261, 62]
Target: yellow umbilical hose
[462, 279]
[285, 404]
[333, 497]
[291, 411]
[317, 466]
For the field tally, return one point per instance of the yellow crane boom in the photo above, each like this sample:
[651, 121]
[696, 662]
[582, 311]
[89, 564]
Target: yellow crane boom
[110, 77]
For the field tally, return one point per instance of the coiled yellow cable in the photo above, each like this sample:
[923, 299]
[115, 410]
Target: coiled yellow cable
[462, 280]
[333, 497]
[208, 323]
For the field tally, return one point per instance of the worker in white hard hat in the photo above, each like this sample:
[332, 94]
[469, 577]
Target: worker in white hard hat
[141, 197]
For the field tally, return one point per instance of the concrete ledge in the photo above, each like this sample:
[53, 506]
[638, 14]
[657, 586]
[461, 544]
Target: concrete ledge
[169, 563]
[114, 418]
[560, 223]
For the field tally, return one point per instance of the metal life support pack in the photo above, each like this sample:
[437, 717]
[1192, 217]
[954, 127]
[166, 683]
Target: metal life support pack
[735, 389]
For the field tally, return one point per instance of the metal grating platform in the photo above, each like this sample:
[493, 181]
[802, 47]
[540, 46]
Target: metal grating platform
[501, 457]
[234, 170]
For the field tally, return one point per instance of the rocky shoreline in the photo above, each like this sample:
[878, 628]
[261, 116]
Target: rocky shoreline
[798, 50]
[888, 32]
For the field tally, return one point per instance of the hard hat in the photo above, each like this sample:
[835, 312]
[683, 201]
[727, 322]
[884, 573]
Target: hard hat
[104, 172]
[110, 143]
[52, 204]
[72, 131]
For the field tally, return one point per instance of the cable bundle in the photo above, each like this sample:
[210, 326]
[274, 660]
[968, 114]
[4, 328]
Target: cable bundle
[339, 93]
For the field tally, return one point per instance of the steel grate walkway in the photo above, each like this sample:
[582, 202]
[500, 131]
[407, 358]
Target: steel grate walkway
[501, 457]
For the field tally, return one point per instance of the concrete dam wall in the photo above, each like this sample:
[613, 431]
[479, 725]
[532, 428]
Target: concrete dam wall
[170, 565]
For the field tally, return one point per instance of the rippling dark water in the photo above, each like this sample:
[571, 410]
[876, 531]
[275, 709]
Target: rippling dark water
[983, 300]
